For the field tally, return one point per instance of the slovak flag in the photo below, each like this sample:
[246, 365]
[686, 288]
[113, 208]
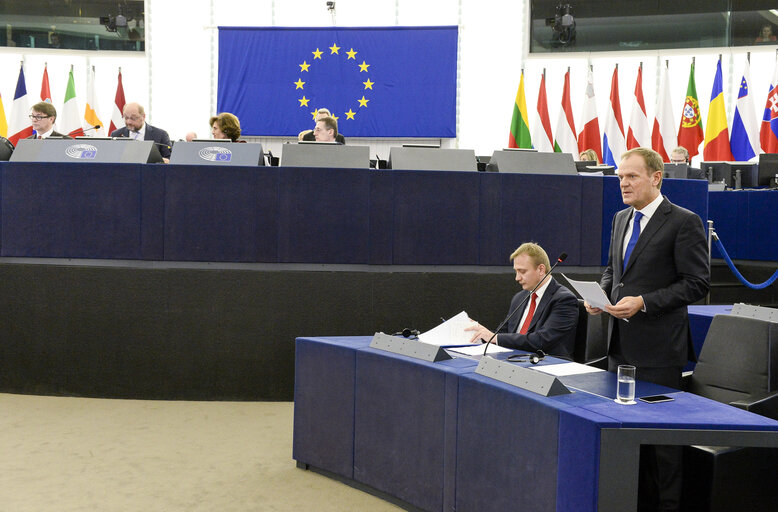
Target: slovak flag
[20, 126]
[768, 134]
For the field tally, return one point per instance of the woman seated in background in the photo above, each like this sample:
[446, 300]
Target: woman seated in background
[225, 126]
[588, 155]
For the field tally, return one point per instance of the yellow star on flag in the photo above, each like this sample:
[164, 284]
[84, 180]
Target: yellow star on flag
[299, 83]
[368, 84]
[350, 114]
[363, 101]
[303, 101]
[351, 54]
[304, 66]
[313, 114]
[335, 117]
[317, 54]
[363, 67]
[334, 48]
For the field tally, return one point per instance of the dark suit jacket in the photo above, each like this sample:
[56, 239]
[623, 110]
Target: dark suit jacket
[158, 135]
[669, 268]
[310, 137]
[55, 133]
[553, 324]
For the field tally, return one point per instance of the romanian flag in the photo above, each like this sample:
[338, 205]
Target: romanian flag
[3, 121]
[690, 132]
[716, 132]
[519, 136]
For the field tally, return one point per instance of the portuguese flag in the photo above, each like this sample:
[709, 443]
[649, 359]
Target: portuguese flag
[690, 132]
[519, 136]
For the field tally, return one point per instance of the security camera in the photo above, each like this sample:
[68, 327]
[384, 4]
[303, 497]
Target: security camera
[330, 6]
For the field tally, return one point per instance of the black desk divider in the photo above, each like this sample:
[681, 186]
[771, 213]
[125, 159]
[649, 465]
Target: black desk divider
[521, 377]
[408, 347]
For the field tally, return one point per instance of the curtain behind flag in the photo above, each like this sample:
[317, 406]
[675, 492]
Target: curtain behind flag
[3, 121]
[613, 142]
[45, 89]
[716, 131]
[589, 138]
[690, 132]
[564, 140]
[745, 133]
[663, 137]
[768, 132]
[378, 82]
[544, 141]
[638, 134]
[519, 136]
[117, 120]
[20, 126]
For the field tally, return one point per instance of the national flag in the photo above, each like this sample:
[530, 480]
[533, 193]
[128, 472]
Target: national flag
[768, 132]
[589, 138]
[70, 119]
[564, 140]
[3, 121]
[638, 134]
[690, 132]
[20, 126]
[745, 132]
[543, 140]
[117, 117]
[716, 131]
[519, 136]
[90, 112]
[45, 89]
[663, 137]
[380, 81]
[613, 143]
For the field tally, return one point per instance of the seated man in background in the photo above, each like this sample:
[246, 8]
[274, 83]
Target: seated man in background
[308, 136]
[680, 155]
[326, 130]
[548, 320]
[136, 127]
[43, 116]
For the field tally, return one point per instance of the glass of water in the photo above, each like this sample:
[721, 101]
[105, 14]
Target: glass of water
[625, 389]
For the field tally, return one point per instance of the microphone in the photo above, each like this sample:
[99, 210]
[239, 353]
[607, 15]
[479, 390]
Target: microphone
[562, 257]
[95, 127]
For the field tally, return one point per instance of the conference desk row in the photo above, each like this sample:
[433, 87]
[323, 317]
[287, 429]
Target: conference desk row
[439, 437]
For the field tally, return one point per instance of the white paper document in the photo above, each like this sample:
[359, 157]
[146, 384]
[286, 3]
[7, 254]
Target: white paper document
[591, 292]
[562, 369]
[478, 349]
[450, 332]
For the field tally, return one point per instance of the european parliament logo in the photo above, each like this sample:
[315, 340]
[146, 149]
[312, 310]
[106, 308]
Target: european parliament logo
[377, 82]
[215, 154]
[81, 151]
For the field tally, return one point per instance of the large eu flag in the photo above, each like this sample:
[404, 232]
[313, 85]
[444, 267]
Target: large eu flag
[377, 82]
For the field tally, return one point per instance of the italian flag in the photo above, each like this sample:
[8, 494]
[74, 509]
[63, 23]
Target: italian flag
[519, 136]
[71, 120]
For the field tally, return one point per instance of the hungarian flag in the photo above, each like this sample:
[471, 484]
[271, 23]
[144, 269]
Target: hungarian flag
[3, 121]
[663, 137]
[90, 113]
[768, 133]
[70, 119]
[544, 142]
[45, 89]
[20, 127]
[564, 140]
[744, 140]
[117, 119]
[589, 138]
[613, 143]
[519, 136]
[638, 135]
[690, 132]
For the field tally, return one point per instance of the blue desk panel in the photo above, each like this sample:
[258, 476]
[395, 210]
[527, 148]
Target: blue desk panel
[745, 223]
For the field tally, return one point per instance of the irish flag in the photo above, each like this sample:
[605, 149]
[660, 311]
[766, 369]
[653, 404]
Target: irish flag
[519, 136]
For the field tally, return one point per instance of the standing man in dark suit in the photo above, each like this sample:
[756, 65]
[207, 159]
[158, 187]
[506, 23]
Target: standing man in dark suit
[657, 266]
[43, 116]
[546, 321]
[136, 127]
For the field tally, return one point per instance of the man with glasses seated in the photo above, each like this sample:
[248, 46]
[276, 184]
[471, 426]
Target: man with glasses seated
[136, 127]
[43, 117]
[680, 155]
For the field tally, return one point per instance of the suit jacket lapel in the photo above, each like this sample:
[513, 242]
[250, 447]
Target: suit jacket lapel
[514, 324]
[543, 304]
[621, 231]
[656, 221]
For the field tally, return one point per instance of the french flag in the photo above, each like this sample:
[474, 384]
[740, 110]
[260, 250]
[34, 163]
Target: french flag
[20, 126]
[768, 134]
[613, 144]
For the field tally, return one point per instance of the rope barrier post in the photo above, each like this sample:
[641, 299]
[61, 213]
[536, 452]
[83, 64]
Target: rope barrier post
[710, 247]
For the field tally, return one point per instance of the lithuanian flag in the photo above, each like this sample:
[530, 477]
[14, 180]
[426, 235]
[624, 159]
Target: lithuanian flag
[519, 136]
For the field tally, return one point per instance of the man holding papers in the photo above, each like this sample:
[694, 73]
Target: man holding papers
[657, 266]
[547, 320]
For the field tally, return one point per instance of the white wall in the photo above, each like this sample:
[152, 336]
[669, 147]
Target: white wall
[176, 78]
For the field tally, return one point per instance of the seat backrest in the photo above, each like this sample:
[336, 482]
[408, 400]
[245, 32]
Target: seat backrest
[739, 358]
[590, 336]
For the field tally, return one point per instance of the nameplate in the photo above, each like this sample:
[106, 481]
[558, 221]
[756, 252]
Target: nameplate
[521, 377]
[408, 347]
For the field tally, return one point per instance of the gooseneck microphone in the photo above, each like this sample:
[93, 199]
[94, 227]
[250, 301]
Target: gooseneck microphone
[562, 257]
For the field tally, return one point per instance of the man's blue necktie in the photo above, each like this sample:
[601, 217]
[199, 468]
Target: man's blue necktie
[633, 239]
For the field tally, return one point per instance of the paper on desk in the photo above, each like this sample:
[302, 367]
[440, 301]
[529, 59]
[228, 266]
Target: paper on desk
[478, 349]
[591, 292]
[450, 332]
[562, 369]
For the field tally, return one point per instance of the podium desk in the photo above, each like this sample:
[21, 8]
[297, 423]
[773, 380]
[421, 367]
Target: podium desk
[440, 437]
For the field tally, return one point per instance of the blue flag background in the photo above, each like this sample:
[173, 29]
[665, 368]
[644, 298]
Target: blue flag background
[378, 82]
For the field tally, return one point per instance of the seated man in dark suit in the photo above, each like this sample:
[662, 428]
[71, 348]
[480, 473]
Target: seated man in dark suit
[43, 116]
[548, 320]
[308, 136]
[680, 155]
[136, 127]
